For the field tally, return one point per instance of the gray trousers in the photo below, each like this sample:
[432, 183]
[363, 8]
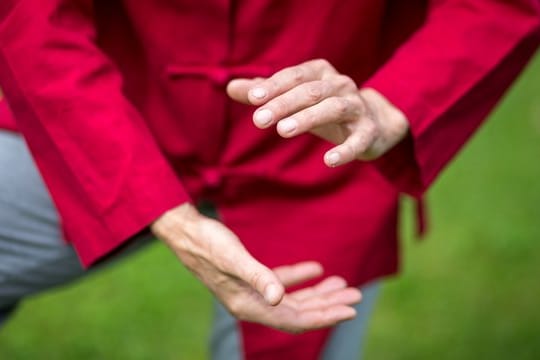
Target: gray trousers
[33, 256]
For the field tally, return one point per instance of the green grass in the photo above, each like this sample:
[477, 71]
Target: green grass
[470, 290]
[148, 307]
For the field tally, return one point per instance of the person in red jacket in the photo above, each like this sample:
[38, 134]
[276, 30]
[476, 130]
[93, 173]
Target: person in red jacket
[124, 107]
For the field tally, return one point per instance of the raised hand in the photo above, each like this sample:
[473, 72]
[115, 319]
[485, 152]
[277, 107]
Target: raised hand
[314, 97]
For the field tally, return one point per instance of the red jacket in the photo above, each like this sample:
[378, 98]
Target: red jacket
[123, 106]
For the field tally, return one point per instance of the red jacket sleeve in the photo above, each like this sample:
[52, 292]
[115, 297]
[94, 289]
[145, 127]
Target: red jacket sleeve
[105, 173]
[447, 77]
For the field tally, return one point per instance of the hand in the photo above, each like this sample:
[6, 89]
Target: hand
[314, 97]
[248, 289]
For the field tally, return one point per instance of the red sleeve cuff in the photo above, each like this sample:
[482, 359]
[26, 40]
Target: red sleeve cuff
[96, 236]
[447, 91]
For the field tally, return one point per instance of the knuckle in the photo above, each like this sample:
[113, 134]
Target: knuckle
[297, 74]
[314, 92]
[279, 106]
[341, 106]
[322, 64]
[345, 82]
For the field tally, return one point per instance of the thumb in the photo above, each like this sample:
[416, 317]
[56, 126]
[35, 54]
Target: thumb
[231, 257]
[260, 278]
[238, 89]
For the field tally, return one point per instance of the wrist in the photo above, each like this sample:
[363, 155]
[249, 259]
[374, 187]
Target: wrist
[175, 220]
[393, 124]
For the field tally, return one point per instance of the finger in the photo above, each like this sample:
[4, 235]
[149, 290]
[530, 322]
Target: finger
[305, 95]
[290, 316]
[331, 283]
[347, 296]
[332, 110]
[286, 79]
[259, 277]
[320, 318]
[294, 274]
[238, 89]
[356, 146]
[292, 101]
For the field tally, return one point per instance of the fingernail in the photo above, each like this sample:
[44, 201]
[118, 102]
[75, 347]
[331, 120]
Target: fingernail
[258, 93]
[333, 158]
[272, 294]
[287, 126]
[263, 117]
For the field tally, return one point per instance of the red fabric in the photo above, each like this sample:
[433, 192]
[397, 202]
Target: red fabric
[124, 109]
[6, 118]
[449, 75]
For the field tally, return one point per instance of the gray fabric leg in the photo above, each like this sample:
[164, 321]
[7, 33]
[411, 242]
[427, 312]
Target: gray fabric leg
[345, 341]
[33, 255]
[225, 342]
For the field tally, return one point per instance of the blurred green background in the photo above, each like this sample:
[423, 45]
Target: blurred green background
[470, 290]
